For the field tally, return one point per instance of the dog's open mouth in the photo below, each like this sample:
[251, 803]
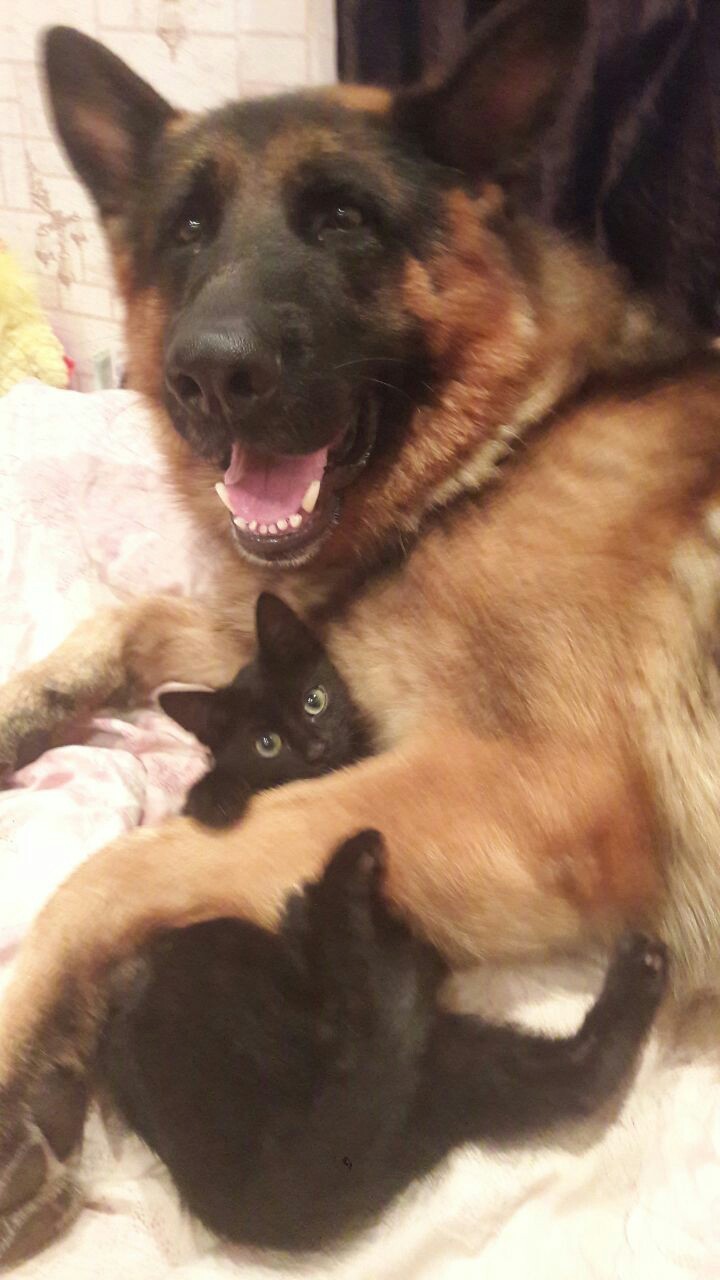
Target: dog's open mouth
[282, 507]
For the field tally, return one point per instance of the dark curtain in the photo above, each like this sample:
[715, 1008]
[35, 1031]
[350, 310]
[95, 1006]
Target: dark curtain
[632, 159]
[393, 42]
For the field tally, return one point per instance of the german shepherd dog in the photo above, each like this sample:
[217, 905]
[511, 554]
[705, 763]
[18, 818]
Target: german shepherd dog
[494, 475]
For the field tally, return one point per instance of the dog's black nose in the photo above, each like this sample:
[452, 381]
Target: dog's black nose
[220, 369]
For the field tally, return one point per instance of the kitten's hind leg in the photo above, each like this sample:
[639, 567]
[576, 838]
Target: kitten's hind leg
[487, 1082]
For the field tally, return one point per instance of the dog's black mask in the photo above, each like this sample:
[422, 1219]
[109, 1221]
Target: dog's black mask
[269, 254]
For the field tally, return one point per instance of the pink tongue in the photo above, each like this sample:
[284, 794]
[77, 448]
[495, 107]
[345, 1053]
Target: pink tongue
[264, 490]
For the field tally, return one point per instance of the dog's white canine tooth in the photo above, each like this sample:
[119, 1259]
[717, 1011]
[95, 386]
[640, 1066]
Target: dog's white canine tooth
[272, 528]
[252, 526]
[282, 525]
[295, 521]
[311, 497]
[241, 524]
[222, 494]
[263, 528]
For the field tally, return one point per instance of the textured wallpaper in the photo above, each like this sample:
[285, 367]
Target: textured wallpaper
[197, 53]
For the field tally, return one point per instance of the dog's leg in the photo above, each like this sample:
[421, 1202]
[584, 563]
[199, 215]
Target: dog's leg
[492, 848]
[116, 657]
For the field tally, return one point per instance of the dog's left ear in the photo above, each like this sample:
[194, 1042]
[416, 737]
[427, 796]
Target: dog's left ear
[107, 117]
[284, 641]
[486, 111]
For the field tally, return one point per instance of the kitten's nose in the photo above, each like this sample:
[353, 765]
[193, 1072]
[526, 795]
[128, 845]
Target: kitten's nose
[315, 751]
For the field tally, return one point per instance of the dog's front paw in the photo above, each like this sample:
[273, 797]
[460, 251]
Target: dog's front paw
[32, 708]
[41, 1127]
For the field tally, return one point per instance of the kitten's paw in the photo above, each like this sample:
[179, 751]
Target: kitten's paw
[357, 865]
[642, 962]
[347, 902]
[216, 803]
[376, 974]
[636, 978]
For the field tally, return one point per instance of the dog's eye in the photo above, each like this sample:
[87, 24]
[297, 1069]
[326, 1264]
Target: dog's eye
[268, 745]
[188, 230]
[343, 217]
[315, 701]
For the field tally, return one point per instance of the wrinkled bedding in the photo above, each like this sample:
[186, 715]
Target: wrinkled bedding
[87, 518]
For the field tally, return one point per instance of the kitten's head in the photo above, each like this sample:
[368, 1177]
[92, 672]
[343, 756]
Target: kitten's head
[287, 715]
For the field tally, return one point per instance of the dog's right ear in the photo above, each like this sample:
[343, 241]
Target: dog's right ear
[200, 712]
[107, 117]
[487, 112]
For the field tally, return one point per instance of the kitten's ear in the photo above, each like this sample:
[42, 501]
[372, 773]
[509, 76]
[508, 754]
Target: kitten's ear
[283, 639]
[200, 712]
[486, 111]
[107, 117]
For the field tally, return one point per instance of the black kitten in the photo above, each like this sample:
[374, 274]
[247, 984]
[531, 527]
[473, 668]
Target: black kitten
[294, 1083]
[287, 715]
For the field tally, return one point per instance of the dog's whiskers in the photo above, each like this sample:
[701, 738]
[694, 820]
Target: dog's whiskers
[346, 364]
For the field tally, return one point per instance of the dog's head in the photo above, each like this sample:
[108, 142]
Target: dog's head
[301, 272]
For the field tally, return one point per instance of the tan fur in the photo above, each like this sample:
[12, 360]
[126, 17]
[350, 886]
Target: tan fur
[360, 97]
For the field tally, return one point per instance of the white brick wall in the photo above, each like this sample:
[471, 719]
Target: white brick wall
[197, 53]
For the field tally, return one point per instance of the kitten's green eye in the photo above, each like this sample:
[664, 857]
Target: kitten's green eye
[268, 745]
[316, 701]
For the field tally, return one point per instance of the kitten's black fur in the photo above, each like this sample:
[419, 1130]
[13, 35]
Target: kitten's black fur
[267, 703]
[295, 1082]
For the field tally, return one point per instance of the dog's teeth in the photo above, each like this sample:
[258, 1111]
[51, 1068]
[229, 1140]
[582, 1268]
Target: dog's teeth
[311, 497]
[252, 526]
[282, 525]
[241, 524]
[295, 521]
[272, 528]
[222, 494]
[263, 528]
